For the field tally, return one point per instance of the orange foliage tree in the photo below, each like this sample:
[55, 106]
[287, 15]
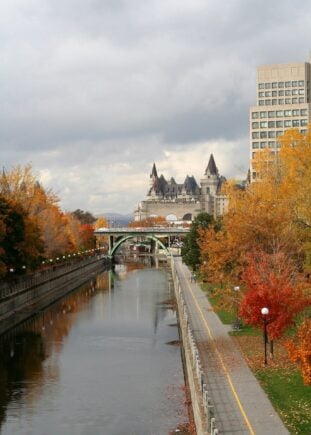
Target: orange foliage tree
[299, 350]
[149, 222]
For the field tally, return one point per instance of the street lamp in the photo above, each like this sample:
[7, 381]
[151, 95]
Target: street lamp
[236, 291]
[265, 312]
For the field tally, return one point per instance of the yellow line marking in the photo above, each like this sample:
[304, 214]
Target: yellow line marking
[235, 394]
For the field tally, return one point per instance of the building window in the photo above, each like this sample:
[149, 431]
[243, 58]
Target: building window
[263, 114]
[261, 94]
[288, 84]
[287, 113]
[253, 155]
[303, 112]
[263, 124]
[295, 92]
[254, 115]
[271, 114]
[255, 145]
[263, 144]
[255, 135]
[288, 100]
[268, 94]
[271, 144]
[263, 134]
[255, 124]
[274, 93]
[279, 113]
[268, 103]
[279, 133]
[294, 100]
[294, 83]
[281, 93]
[261, 102]
[271, 124]
[295, 123]
[301, 91]
[271, 134]
[261, 86]
[303, 131]
[303, 122]
[267, 85]
[279, 124]
[288, 123]
[281, 85]
[288, 92]
[295, 112]
[301, 100]
[281, 101]
[274, 85]
[301, 83]
[274, 102]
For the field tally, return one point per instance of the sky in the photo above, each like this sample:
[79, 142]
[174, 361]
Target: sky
[94, 91]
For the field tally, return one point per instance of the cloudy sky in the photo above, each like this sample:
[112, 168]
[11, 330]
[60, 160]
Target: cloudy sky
[94, 91]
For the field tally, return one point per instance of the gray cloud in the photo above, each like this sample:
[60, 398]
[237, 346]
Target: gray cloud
[92, 92]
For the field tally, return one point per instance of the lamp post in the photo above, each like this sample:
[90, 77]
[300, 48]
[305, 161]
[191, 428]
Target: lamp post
[265, 312]
[236, 300]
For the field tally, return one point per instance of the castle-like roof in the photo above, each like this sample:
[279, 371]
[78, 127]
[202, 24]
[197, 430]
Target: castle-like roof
[211, 167]
[153, 171]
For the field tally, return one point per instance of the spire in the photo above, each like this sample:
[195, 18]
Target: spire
[154, 173]
[211, 167]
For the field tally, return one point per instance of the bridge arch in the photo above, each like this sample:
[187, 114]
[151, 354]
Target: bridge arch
[131, 236]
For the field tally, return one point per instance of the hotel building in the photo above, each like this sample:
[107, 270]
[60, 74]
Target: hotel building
[282, 102]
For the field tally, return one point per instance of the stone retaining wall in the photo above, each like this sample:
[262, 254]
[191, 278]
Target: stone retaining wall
[19, 305]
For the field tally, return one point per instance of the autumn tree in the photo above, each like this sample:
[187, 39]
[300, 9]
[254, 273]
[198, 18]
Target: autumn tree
[272, 281]
[101, 222]
[151, 221]
[299, 350]
[271, 214]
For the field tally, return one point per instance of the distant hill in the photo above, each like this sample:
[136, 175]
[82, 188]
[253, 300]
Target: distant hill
[116, 219]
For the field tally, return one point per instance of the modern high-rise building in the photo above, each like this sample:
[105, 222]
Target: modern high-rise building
[282, 102]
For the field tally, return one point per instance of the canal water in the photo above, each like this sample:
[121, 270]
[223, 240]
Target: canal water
[104, 360]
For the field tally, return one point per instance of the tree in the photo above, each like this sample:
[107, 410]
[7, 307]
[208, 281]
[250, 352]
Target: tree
[85, 217]
[20, 237]
[272, 281]
[190, 251]
[151, 221]
[299, 350]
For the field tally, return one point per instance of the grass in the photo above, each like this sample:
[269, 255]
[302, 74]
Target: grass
[281, 380]
[290, 397]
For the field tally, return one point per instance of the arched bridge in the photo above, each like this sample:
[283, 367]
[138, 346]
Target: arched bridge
[117, 236]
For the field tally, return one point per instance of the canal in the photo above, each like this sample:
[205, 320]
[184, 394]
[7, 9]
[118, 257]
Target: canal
[103, 360]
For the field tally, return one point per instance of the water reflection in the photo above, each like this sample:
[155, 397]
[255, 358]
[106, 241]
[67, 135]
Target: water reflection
[97, 361]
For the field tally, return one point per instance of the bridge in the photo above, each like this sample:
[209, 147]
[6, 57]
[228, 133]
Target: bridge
[117, 236]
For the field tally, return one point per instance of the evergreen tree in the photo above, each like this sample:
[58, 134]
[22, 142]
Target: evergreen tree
[190, 251]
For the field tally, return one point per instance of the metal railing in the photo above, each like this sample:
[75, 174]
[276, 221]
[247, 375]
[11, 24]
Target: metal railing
[196, 366]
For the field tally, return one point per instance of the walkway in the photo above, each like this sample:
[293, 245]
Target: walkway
[240, 404]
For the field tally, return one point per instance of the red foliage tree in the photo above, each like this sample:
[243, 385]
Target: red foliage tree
[272, 281]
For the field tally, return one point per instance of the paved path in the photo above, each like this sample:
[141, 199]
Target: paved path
[240, 404]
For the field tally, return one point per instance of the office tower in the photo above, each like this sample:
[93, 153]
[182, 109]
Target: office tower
[283, 102]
